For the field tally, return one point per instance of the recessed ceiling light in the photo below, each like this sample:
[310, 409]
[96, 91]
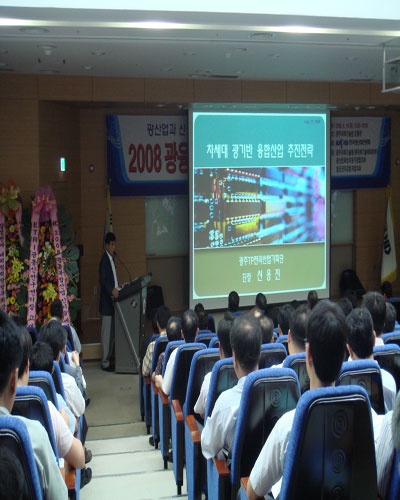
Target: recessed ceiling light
[49, 71]
[371, 107]
[87, 68]
[168, 68]
[189, 53]
[240, 50]
[98, 53]
[261, 36]
[3, 64]
[351, 58]
[34, 31]
[274, 56]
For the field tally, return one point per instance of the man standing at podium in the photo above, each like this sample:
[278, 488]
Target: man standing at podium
[109, 289]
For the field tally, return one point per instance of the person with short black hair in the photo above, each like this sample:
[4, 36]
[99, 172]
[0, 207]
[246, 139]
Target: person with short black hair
[352, 296]
[267, 329]
[312, 299]
[375, 304]
[297, 330]
[203, 320]
[261, 302]
[386, 289]
[108, 291]
[360, 344]
[12, 479]
[233, 301]
[345, 305]
[53, 485]
[326, 333]
[56, 311]
[390, 318]
[190, 328]
[284, 315]
[219, 430]
[163, 314]
[225, 351]
[174, 328]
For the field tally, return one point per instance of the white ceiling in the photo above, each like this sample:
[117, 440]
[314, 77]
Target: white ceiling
[198, 45]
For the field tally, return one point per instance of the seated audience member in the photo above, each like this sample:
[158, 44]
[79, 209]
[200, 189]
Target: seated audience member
[146, 341]
[163, 314]
[297, 330]
[53, 334]
[375, 304]
[345, 305]
[390, 319]
[68, 447]
[285, 313]
[326, 333]
[56, 311]
[12, 478]
[189, 332]
[174, 329]
[274, 315]
[312, 299]
[219, 429]
[51, 480]
[203, 320]
[267, 329]
[386, 289]
[352, 296]
[360, 343]
[261, 303]
[225, 351]
[233, 301]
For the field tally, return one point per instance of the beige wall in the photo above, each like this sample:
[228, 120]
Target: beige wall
[44, 117]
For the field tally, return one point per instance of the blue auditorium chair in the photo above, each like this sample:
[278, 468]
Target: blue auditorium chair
[33, 333]
[391, 338]
[159, 347]
[177, 399]
[393, 492]
[214, 343]
[202, 363]
[45, 381]
[164, 413]
[388, 357]
[297, 362]
[283, 339]
[205, 337]
[267, 395]
[271, 354]
[331, 452]
[223, 377]
[367, 374]
[145, 385]
[211, 322]
[14, 436]
[57, 378]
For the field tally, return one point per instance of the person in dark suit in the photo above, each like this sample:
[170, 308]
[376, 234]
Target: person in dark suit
[109, 289]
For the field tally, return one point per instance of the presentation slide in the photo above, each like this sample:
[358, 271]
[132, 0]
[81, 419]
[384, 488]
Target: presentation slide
[259, 206]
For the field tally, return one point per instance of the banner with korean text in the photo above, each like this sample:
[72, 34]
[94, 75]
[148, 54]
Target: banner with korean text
[360, 152]
[147, 155]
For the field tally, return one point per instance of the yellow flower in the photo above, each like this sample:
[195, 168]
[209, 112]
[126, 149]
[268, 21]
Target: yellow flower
[12, 300]
[49, 294]
[12, 228]
[16, 307]
[42, 229]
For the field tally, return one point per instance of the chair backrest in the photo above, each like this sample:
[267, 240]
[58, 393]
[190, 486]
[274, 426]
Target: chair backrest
[14, 436]
[62, 362]
[45, 381]
[58, 383]
[223, 377]
[205, 336]
[202, 363]
[393, 492]
[391, 338]
[31, 402]
[211, 322]
[214, 343]
[367, 374]
[33, 333]
[388, 357]
[181, 371]
[171, 346]
[271, 354]
[267, 394]
[237, 313]
[297, 362]
[70, 337]
[283, 339]
[159, 347]
[331, 452]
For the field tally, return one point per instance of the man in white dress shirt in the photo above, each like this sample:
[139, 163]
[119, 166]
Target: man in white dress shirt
[219, 429]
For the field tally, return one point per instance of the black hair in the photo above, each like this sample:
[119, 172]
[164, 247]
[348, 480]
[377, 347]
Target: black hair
[198, 307]
[298, 324]
[267, 329]
[246, 341]
[203, 320]
[285, 312]
[386, 289]
[274, 315]
[224, 334]
[154, 323]
[312, 298]
[174, 327]
[326, 334]
[42, 357]
[12, 478]
[345, 305]
[109, 238]
[56, 309]
[233, 301]
[53, 334]
[360, 334]
[261, 302]
[190, 323]
[26, 343]
[352, 296]
[10, 349]
[163, 315]
[375, 304]
[390, 318]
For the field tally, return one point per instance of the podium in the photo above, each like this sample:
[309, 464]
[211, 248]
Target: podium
[129, 310]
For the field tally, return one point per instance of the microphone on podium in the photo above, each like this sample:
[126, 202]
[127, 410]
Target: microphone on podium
[123, 265]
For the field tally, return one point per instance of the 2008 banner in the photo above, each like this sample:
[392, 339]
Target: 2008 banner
[147, 155]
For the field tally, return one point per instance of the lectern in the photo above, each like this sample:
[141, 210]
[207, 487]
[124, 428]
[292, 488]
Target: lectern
[129, 324]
